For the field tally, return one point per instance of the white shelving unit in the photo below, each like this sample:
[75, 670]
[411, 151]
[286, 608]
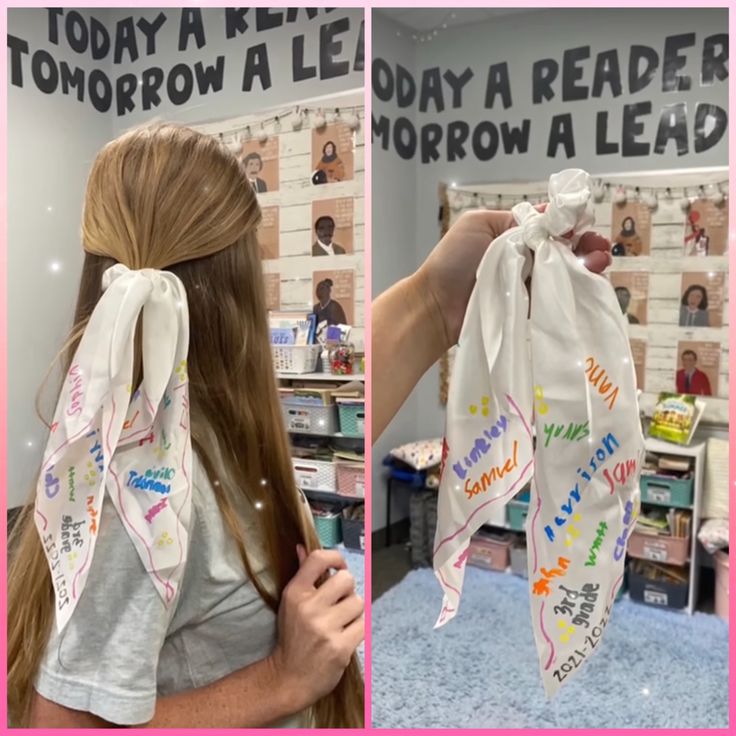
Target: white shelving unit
[325, 495]
[697, 452]
[320, 377]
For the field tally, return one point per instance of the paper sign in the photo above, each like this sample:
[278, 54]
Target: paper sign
[261, 162]
[334, 293]
[701, 299]
[632, 290]
[706, 228]
[698, 364]
[272, 283]
[268, 233]
[631, 229]
[332, 154]
[639, 356]
[332, 225]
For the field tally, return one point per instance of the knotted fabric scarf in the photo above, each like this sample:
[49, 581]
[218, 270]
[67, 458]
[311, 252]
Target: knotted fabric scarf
[137, 447]
[563, 376]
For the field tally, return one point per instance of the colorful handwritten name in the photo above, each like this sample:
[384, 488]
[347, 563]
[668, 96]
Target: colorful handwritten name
[151, 480]
[481, 447]
[629, 520]
[51, 483]
[600, 455]
[92, 514]
[574, 433]
[71, 483]
[98, 456]
[155, 509]
[495, 473]
[541, 586]
[75, 379]
[598, 377]
[621, 473]
[593, 553]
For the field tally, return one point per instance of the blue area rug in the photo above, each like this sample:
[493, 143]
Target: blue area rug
[654, 668]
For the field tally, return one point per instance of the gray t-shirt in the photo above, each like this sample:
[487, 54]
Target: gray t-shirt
[122, 647]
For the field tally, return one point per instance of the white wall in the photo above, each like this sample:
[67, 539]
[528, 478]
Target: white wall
[52, 141]
[232, 100]
[392, 256]
[520, 40]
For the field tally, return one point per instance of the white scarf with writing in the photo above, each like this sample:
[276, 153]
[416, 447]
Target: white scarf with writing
[564, 375]
[137, 447]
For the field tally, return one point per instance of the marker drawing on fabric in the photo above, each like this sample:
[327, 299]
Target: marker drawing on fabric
[483, 505]
[165, 583]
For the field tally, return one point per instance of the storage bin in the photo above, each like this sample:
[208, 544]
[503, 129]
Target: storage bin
[491, 554]
[659, 548]
[720, 560]
[309, 419]
[518, 560]
[516, 515]
[315, 475]
[666, 491]
[295, 358]
[352, 533]
[329, 529]
[351, 479]
[352, 419]
[657, 592]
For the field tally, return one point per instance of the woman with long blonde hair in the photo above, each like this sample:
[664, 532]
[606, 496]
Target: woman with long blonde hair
[167, 572]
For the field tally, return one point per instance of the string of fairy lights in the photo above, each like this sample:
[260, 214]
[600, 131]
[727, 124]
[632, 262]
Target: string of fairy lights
[296, 118]
[602, 191]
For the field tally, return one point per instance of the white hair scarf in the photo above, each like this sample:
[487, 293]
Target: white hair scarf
[578, 390]
[137, 447]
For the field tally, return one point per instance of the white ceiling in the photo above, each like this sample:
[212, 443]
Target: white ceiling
[427, 19]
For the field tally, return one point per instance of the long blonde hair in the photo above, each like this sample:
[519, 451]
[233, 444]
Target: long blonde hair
[167, 197]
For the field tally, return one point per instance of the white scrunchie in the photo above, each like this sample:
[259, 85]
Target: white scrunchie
[138, 448]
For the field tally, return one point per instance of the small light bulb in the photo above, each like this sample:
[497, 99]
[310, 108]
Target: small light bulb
[645, 691]
[49, 208]
[259, 505]
[29, 443]
[55, 266]
[263, 481]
